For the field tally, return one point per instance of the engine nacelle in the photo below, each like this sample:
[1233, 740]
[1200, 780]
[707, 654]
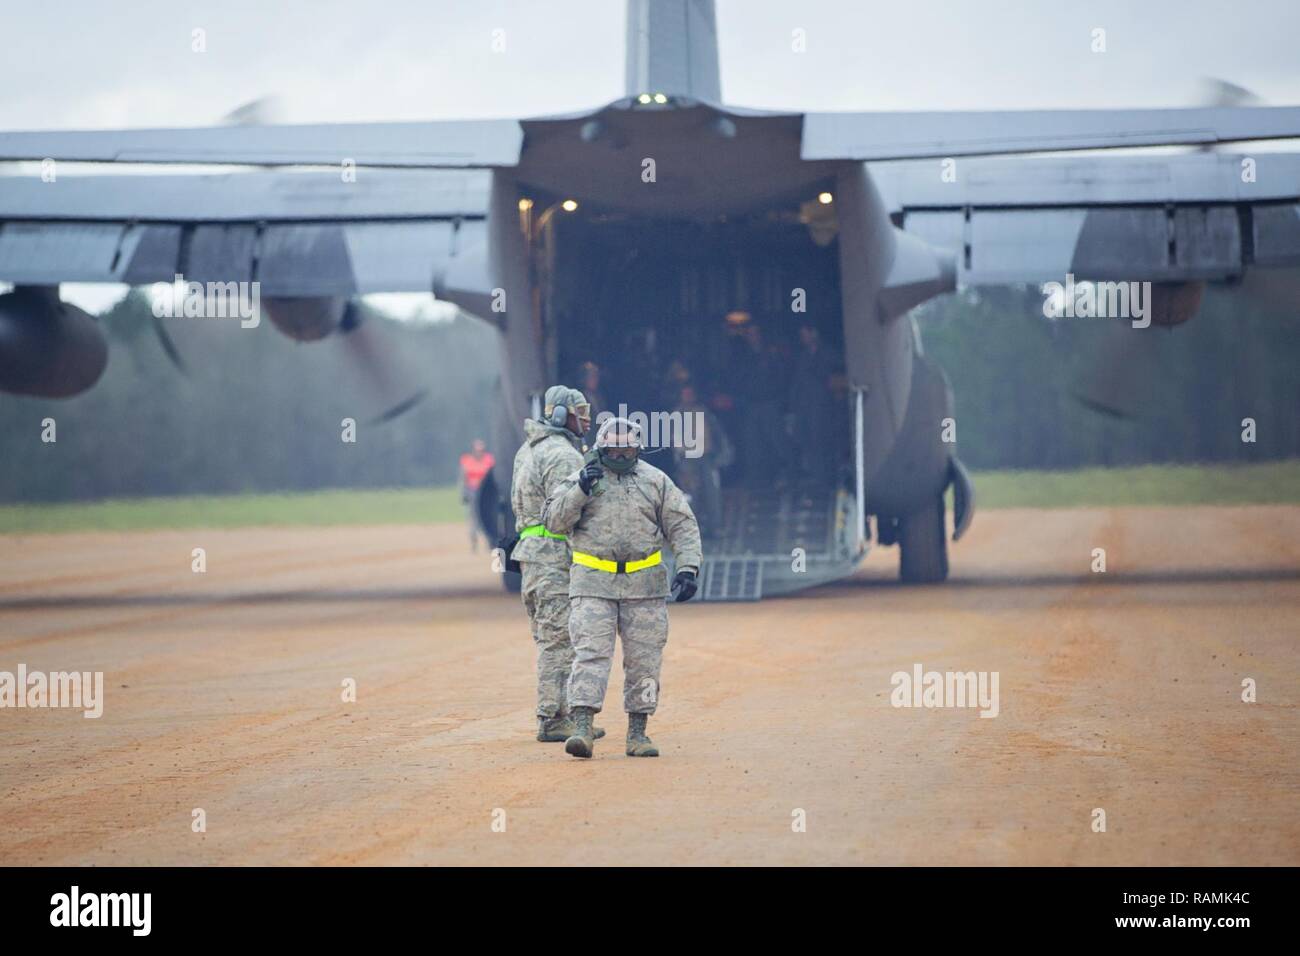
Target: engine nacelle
[48, 348]
[1173, 303]
[305, 319]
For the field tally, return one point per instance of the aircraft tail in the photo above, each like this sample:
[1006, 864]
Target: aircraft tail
[672, 48]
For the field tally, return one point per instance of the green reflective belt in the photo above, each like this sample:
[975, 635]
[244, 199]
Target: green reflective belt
[539, 531]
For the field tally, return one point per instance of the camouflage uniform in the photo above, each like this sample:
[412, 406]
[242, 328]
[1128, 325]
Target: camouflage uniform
[547, 455]
[628, 518]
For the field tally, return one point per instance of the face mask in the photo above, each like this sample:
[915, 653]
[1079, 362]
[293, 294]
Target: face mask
[620, 466]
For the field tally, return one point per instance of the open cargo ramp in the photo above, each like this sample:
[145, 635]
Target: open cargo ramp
[776, 541]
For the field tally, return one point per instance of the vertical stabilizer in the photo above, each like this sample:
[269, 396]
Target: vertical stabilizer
[672, 48]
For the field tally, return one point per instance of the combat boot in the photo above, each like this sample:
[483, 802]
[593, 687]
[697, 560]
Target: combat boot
[638, 744]
[557, 729]
[583, 741]
[551, 730]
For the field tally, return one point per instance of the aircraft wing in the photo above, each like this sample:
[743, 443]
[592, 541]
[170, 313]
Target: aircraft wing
[1171, 217]
[452, 143]
[300, 233]
[875, 137]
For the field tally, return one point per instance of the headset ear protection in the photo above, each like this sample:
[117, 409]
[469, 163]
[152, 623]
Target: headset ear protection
[559, 416]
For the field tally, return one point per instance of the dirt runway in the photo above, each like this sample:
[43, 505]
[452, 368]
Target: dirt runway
[223, 692]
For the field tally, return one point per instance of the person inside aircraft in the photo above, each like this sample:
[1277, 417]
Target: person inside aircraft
[812, 401]
[677, 377]
[589, 374]
[697, 469]
[759, 386]
[752, 394]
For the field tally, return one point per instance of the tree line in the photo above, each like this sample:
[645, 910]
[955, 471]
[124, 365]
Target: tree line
[256, 412]
[259, 412]
[1188, 389]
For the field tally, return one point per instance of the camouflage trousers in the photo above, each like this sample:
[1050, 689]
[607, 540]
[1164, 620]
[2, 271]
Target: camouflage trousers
[643, 625]
[546, 599]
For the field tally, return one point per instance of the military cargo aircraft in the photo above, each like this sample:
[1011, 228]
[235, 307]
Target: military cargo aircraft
[552, 230]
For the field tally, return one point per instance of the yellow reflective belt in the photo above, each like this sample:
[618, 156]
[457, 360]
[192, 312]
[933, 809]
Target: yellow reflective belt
[539, 530]
[617, 567]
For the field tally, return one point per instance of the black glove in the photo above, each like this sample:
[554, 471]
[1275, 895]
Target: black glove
[589, 476]
[684, 586]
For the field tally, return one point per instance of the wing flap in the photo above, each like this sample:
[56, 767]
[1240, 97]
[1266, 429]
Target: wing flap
[297, 233]
[998, 246]
[1036, 219]
[288, 259]
[46, 254]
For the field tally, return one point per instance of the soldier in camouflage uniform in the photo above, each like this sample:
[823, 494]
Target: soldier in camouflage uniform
[618, 513]
[549, 453]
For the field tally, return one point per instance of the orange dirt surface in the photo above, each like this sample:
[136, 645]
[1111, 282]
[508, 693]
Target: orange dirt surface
[223, 692]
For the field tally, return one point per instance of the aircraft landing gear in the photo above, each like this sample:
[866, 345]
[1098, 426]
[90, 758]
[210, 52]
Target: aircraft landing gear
[497, 521]
[923, 544]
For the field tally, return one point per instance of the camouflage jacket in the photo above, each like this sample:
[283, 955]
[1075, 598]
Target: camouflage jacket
[628, 518]
[547, 455]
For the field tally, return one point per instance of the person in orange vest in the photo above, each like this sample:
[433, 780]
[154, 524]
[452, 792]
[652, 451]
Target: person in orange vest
[474, 466]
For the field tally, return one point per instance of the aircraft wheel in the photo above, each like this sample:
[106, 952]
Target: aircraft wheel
[923, 544]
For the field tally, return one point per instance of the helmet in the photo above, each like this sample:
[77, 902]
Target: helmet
[618, 444]
[560, 401]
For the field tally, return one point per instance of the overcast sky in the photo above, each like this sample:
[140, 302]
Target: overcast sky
[131, 63]
[90, 63]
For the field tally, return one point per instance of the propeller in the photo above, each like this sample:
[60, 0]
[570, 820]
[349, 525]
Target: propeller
[370, 344]
[256, 112]
[262, 111]
[369, 347]
[1118, 367]
[169, 345]
[1219, 92]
